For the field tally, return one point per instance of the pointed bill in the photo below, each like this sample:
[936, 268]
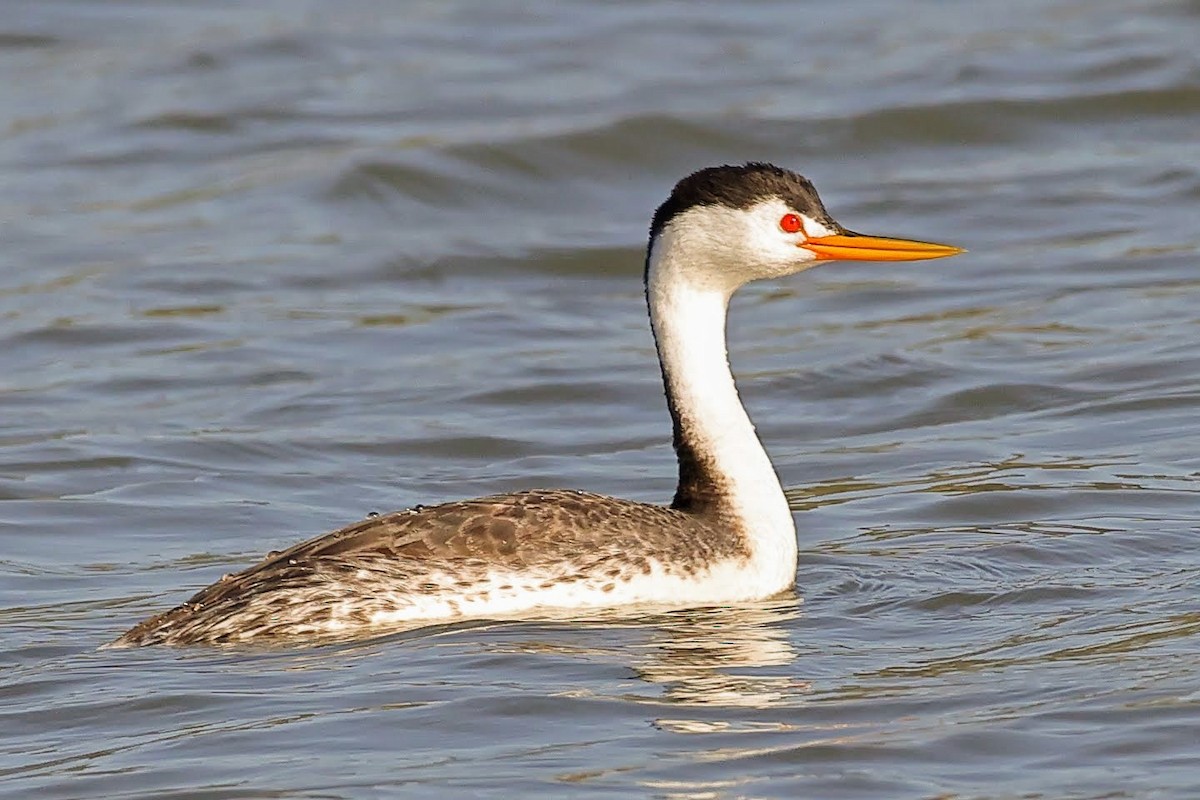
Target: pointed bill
[851, 246]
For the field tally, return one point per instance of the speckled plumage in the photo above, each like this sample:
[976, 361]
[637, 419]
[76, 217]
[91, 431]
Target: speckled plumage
[444, 556]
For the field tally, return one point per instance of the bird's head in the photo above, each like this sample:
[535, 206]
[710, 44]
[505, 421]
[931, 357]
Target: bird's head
[733, 224]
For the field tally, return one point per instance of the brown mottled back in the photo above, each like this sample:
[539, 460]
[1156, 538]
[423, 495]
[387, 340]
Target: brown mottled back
[523, 533]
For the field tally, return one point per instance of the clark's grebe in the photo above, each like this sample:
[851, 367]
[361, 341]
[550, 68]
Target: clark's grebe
[727, 536]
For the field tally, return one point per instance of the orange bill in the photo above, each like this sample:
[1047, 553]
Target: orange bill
[851, 246]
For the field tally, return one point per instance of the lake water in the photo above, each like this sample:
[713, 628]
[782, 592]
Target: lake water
[268, 267]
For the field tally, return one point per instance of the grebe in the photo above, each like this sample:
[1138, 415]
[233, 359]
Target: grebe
[727, 536]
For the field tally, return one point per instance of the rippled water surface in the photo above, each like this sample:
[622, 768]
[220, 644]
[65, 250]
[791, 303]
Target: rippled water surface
[270, 266]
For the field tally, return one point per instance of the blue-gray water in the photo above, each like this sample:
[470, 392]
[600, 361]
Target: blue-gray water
[269, 266]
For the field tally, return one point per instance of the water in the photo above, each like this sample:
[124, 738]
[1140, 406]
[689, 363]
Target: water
[268, 267]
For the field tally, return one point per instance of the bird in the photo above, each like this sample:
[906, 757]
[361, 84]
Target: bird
[726, 537]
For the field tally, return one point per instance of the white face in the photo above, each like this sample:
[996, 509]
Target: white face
[726, 247]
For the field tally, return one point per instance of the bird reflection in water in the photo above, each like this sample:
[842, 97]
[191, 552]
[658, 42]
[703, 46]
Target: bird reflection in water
[721, 657]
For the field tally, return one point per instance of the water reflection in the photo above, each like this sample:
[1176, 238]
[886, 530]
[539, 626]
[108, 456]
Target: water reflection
[721, 657]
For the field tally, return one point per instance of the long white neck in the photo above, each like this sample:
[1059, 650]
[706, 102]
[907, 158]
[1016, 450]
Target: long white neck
[723, 469]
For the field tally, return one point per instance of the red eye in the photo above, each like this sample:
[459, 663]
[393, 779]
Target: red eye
[791, 223]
